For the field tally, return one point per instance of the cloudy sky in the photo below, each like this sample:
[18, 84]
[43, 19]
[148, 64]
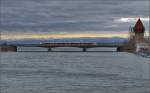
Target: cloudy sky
[63, 18]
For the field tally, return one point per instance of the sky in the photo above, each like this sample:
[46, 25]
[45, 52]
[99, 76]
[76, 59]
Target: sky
[20, 19]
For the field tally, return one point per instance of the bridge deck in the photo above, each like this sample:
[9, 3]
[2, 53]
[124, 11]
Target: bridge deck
[87, 45]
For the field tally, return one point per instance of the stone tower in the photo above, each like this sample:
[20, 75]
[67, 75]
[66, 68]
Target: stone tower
[136, 38]
[139, 30]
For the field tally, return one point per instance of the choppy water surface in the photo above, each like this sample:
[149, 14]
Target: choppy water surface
[74, 72]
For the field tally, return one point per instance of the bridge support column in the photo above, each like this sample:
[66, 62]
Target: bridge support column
[119, 49]
[84, 50]
[122, 49]
[49, 49]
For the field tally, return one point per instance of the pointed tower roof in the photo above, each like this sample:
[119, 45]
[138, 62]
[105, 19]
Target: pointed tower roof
[139, 27]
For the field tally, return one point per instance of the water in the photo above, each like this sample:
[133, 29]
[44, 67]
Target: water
[74, 72]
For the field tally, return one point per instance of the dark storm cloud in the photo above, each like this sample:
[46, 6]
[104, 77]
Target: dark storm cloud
[70, 15]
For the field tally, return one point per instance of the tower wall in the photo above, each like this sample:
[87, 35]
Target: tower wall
[139, 37]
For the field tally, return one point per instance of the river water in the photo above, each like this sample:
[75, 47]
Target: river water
[74, 72]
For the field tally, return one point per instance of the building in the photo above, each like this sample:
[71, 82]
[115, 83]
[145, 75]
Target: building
[8, 48]
[137, 41]
[139, 30]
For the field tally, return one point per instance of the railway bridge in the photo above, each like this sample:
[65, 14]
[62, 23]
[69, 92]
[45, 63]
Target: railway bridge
[49, 46]
[84, 46]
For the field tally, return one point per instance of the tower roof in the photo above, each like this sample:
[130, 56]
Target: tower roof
[139, 27]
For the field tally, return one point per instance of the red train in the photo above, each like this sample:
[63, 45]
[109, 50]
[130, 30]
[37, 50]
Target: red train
[68, 44]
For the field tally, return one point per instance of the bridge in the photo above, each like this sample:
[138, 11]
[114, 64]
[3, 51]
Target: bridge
[49, 46]
[84, 46]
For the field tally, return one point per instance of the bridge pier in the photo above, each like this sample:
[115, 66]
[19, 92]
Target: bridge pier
[84, 50]
[49, 49]
[119, 49]
[122, 49]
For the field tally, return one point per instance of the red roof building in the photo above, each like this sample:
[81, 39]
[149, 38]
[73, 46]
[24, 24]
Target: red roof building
[139, 27]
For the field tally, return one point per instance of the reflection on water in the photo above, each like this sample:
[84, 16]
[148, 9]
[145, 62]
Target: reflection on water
[74, 72]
